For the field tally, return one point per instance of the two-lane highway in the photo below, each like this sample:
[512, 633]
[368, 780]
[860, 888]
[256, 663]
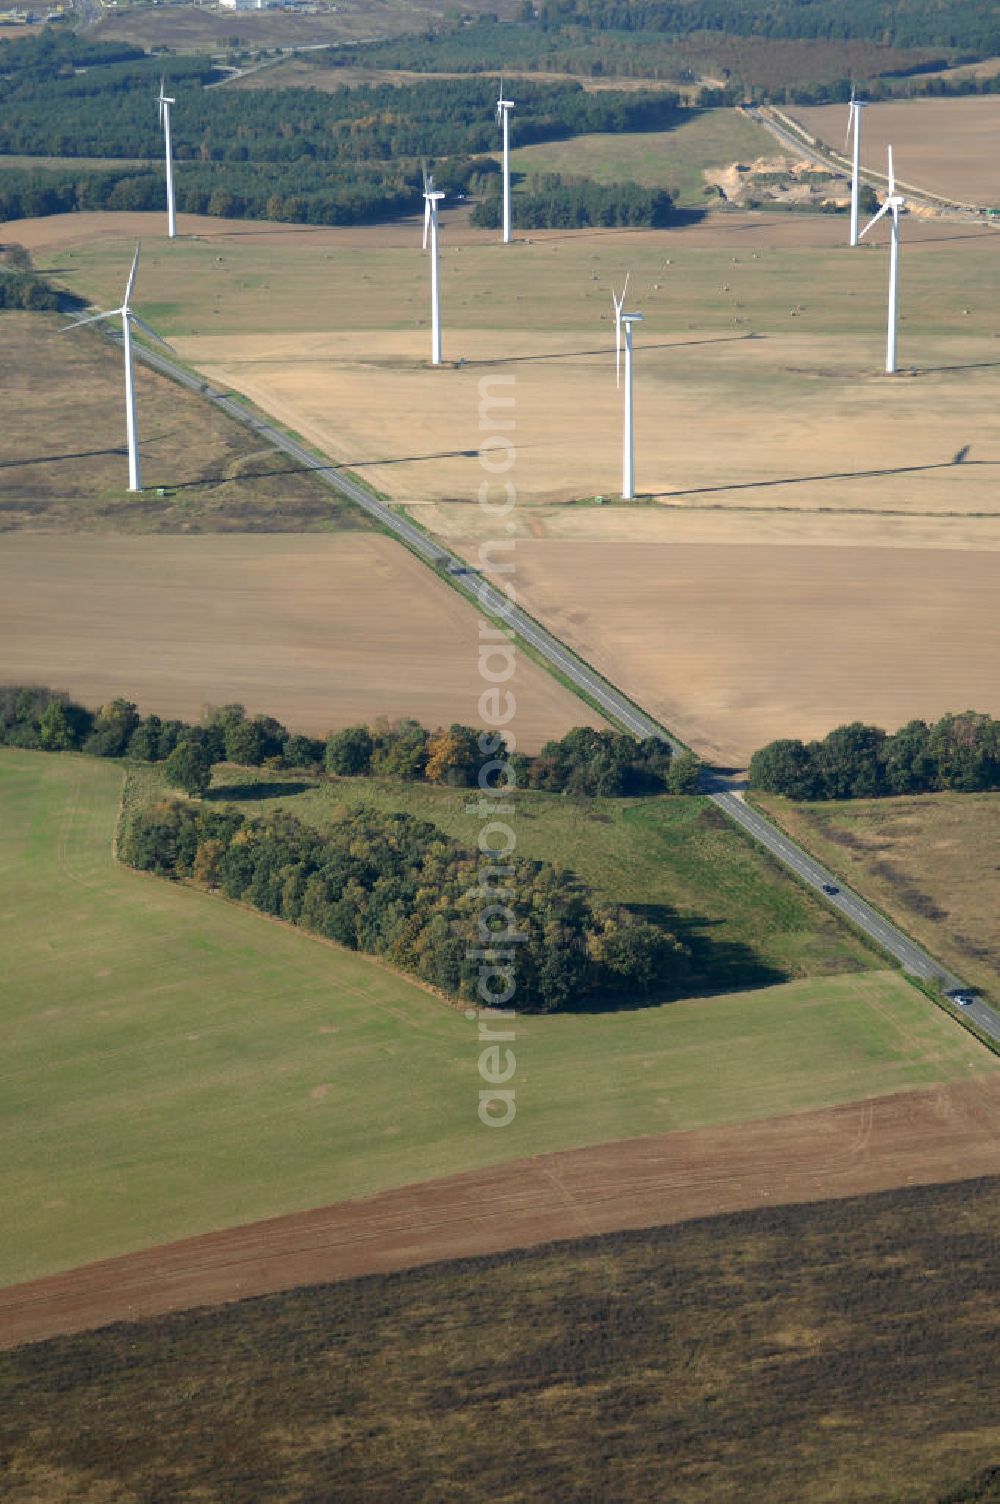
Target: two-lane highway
[795, 858]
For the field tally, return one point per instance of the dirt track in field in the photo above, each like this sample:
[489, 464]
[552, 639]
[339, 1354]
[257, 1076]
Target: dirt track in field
[941, 1134]
[759, 229]
[321, 631]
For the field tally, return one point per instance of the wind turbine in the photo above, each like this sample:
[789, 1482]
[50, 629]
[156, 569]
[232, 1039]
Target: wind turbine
[504, 107]
[625, 321]
[128, 318]
[854, 124]
[893, 203]
[432, 197]
[164, 103]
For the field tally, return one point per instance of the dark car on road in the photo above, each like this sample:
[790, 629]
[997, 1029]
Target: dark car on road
[830, 889]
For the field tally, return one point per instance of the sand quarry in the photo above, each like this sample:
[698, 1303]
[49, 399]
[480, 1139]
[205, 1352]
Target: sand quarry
[320, 631]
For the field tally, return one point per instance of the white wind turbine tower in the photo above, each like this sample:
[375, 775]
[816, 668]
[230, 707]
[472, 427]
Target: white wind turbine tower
[854, 124]
[432, 197]
[164, 103]
[893, 203]
[128, 318]
[626, 320]
[504, 107]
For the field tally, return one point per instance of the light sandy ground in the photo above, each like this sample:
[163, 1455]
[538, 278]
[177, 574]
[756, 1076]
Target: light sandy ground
[720, 419]
[320, 631]
[914, 1138]
[732, 645]
[763, 229]
[946, 146]
[666, 522]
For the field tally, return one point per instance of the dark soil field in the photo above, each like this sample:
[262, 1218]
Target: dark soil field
[63, 465]
[843, 1351]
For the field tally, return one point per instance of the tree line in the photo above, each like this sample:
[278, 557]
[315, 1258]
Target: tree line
[958, 752]
[20, 284]
[292, 193]
[556, 202]
[585, 762]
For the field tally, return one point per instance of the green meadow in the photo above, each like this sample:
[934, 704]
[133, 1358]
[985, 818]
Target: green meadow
[674, 159]
[175, 1063]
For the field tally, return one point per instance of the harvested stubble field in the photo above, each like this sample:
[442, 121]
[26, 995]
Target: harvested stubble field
[176, 1064]
[796, 421]
[734, 644]
[930, 862]
[63, 465]
[815, 1353]
[321, 632]
[944, 146]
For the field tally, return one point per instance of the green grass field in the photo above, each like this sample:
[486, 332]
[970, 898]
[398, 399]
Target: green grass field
[660, 159]
[779, 273]
[817, 1354]
[175, 1063]
[747, 923]
[929, 861]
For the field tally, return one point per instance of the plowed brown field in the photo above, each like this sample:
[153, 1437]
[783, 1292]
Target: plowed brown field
[944, 146]
[322, 632]
[922, 1137]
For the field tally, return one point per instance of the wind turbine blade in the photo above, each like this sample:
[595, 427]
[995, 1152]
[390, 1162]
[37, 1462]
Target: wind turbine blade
[131, 278]
[427, 219]
[850, 122]
[874, 220]
[141, 324]
[892, 175]
[93, 318]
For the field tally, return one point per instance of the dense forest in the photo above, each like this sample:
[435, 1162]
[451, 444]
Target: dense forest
[110, 111]
[295, 193]
[958, 752]
[969, 24]
[299, 155]
[584, 762]
[399, 888]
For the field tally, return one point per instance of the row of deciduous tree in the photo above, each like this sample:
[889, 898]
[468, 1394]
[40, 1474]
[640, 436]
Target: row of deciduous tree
[400, 888]
[584, 762]
[555, 202]
[960, 752]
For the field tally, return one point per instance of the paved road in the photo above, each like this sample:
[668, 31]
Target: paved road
[618, 706]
